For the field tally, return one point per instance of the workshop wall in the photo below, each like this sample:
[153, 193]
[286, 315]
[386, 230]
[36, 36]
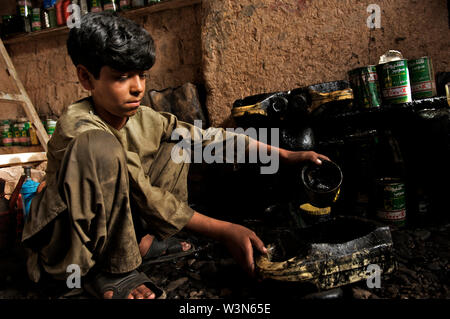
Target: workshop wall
[50, 79]
[246, 47]
[257, 46]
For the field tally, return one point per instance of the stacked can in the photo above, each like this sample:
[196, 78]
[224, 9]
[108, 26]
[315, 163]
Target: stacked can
[33, 136]
[24, 127]
[421, 72]
[36, 19]
[50, 125]
[365, 86]
[391, 203]
[7, 137]
[125, 4]
[16, 134]
[394, 82]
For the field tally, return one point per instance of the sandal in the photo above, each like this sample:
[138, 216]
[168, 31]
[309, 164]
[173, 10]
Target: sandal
[121, 285]
[164, 250]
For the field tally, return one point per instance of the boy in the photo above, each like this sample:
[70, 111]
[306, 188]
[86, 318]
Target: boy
[113, 196]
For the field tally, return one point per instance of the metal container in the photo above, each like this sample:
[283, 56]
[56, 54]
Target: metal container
[7, 134]
[322, 183]
[36, 19]
[394, 81]
[391, 203]
[365, 86]
[423, 84]
[51, 125]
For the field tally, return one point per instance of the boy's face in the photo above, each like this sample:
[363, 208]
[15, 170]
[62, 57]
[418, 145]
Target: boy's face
[117, 95]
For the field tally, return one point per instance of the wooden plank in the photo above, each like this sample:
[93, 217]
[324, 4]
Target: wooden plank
[161, 6]
[22, 158]
[27, 104]
[21, 149]
[157, 7]
[37, 35]
[6, 85]
[10, 97]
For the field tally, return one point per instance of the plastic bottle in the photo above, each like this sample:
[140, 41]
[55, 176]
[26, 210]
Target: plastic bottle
[51, 125]
[59, 13]
[6, 224]
[49, 14]
[24, 11]
[137, 3]
[36, 19]
[28, 191]
[7, 136]
[33, 136]
[109, 5]
[65, 13]
[83, 6]
[26, 133]
[16, 134]
[125, 5]
[96, 6]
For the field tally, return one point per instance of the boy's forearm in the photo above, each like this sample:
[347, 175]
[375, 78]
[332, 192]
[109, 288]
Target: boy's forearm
[266, 148]
[287, 156]
[207, 226]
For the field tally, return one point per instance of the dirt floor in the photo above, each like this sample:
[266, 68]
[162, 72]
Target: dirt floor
[422, 255]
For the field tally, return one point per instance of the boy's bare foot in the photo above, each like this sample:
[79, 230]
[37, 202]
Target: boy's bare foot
[141, 292]
[147, 240]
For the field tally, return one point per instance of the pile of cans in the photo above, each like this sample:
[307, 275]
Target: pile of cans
[393, 82]
[20, 132]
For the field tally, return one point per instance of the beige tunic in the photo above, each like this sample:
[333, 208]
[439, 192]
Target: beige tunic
[141, 139]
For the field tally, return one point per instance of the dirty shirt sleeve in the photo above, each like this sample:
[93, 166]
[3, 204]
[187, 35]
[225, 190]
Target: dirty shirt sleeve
[211, 145]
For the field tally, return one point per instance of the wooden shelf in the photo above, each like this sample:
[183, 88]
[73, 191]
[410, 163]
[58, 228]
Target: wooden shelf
[153, 8]
[36, 35]
[20, 149]
[20, 155]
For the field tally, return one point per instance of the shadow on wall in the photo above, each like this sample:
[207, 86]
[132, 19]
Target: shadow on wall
[184, 101]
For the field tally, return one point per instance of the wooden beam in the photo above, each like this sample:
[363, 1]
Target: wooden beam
[22, 158]
[10, 97]
[161, 6]
[63, 30]
[27, 104]
[37, 35]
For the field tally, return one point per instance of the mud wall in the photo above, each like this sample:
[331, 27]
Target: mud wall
[256, 46]
[50, 79]
[246, 47]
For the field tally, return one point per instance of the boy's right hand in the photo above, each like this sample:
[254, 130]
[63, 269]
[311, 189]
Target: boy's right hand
[238, 239]
[240, 242]
[41, 187]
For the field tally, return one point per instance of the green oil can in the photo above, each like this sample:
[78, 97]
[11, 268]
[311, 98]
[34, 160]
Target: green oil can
[394, 82]
[365, 86]
[423, 84]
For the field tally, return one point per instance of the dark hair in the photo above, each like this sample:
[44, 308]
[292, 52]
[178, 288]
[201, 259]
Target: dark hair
[105, 38]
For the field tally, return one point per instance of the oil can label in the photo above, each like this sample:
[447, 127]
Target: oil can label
[109, 6]
[392, 216]
[394, 82]
[364, 82]
[390, 195]
[422, 78]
